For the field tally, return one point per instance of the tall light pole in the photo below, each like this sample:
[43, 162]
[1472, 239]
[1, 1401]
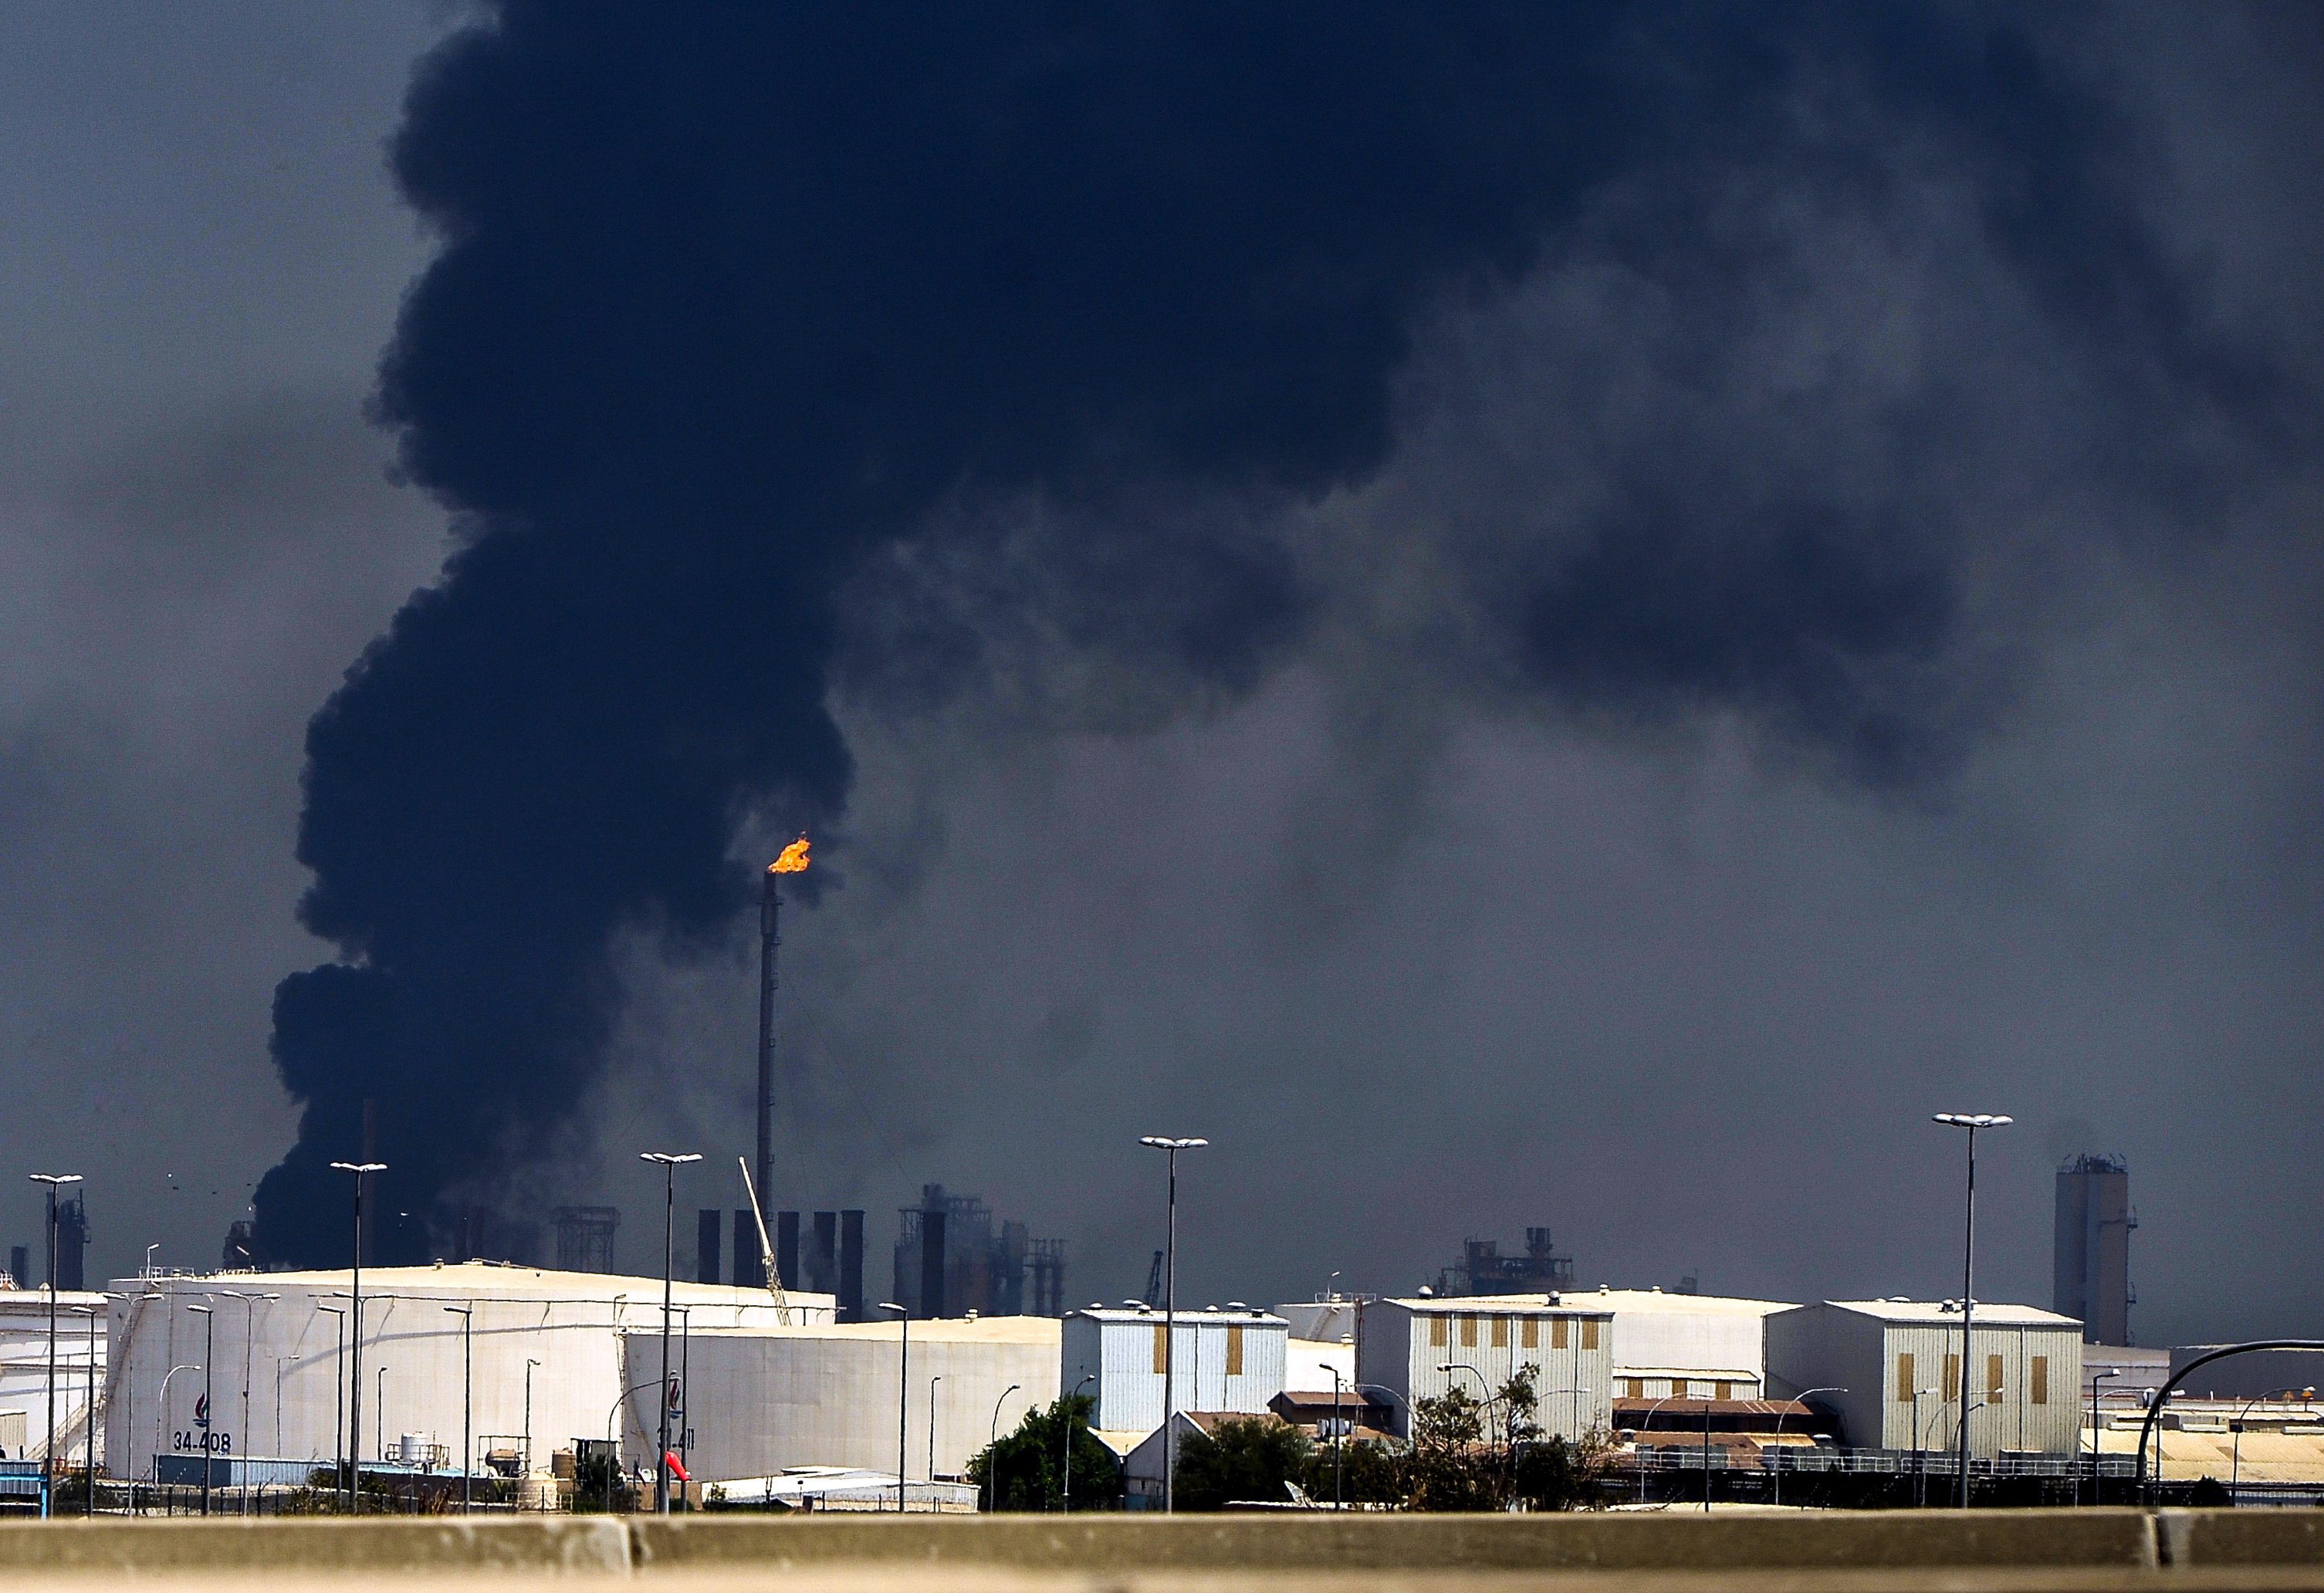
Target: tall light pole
[161, 1417]
[2096, 1378]
[669, 1163]
[88, 1412]
[991, 1438]
[1170, 1147]
[1802, 1399]
[209, 1347]
[338, 1398]
[54, 1181]
[354, 1325]
[249, 1332]
[529, 1364]
[903, 1392]
[1972, 1122]
[467, 1315]
[1065, 1478]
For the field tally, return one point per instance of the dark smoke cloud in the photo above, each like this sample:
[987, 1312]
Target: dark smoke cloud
[740, 312]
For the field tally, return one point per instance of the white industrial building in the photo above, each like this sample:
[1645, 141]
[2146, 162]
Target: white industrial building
[277, 1369]
[768, 1400]
[1899, 1362]
[24, 1371]
[1230, 1359]
[1686, 1345]
[1402, 1345]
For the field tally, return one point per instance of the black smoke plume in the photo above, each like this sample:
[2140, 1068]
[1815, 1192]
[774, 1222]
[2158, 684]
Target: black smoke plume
[730, 297]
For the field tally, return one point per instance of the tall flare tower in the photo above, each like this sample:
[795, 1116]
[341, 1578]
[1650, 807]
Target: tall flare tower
[793, 860]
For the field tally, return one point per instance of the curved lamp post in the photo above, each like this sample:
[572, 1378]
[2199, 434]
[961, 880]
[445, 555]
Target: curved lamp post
[2154, 1411]
[992, 1437]
[1066, 1477]
[1802, 1399]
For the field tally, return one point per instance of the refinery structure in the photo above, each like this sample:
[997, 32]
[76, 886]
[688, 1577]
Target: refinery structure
[783, 1367]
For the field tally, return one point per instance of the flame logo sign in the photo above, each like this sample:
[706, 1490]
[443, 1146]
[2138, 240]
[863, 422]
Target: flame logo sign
[793, 859]
[202, 1411]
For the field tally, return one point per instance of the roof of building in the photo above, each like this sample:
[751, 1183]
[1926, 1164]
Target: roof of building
[1947, 1312]
[942, 1329]
[472, 1280]
[1234, 1315]
[1567, 1304]
[1657, 1300]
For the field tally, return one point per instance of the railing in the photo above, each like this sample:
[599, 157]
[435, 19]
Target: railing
[1801, 1458]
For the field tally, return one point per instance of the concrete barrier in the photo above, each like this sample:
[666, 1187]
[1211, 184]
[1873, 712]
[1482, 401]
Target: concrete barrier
[538, 1543]
[2089, 1542]
[2240, 1537]
[1327, 1542]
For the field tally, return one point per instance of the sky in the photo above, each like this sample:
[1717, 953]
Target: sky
[1546, 621]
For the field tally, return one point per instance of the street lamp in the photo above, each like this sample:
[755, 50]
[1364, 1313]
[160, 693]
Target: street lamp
[1921, 1449]
[209, 1347]
[354, 1310]
[249, 1331]
[1483, 1387]
[2096, 1378]
[529, 1364]
[1803, 1399]
[991, 1438]
[54, 1181]
[1170, 1147]
[1065, 1478]
[88, 1412]
[339, 1398]
[903, 1392]
[129, 1393]
[932, 1432]
[1972, 1122]
[280, 1362]
[1638, 1449]
[467, 1315]
[669, 1163]
[1338, 1430]
[161, 1419]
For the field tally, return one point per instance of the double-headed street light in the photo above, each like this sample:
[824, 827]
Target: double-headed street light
[204, 1424]
[1171, 1147]
[249, 1331]
[1972, 1122]
[668, 1162]
[354, 1335]
[55, 1182]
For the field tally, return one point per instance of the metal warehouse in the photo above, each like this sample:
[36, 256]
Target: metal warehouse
[1686, 1346]
[1899, 1362]
[1403, 1345]
[1231, 1359]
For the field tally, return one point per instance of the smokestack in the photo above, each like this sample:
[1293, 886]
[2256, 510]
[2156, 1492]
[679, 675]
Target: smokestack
[851, 1266]
[786, 1226]
[932, 1260]
[706, 1226]
[770, 907]
[749, 1268]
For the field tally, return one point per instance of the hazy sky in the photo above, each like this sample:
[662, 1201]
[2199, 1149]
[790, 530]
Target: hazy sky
[1440, 913]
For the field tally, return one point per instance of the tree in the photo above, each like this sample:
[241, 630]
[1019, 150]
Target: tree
[1371, 1471]
[1021, 1470]
[1243, 1458]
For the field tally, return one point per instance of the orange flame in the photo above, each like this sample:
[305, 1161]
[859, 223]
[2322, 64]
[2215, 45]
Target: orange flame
[793, 859]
